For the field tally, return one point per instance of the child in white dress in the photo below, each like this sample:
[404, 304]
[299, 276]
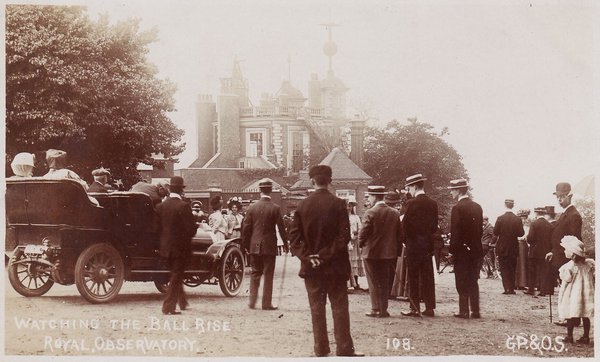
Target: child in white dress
[576, 294]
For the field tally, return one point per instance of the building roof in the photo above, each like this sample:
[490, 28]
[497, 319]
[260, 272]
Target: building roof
[343, 167]
[254, 186]
[331, 81]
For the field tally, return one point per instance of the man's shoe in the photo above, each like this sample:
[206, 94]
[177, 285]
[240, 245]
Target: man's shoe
[270, 307]
[411, 313]
[475, 315]
[584, 340]
[324, 354]
[384, 314]
[352, 354]
[541, 295]
[568, 339]
[529, 292]
[171, 312]
[184, 306]
[373, 313]
[511, 292]
[428, 312]
[561, 323]
[461, 315]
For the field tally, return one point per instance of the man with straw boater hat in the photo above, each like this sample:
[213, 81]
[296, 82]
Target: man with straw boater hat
[420, 222]
[466, 228]
[380, 239]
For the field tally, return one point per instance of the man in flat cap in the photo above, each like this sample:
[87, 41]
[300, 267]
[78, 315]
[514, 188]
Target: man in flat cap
[259, 237]
[508, 228]
[176, 229]
[100, 179]
[380, 239]
[319, 237]
[420, 222]
[569, 223]
[538, 238]
[466, 229]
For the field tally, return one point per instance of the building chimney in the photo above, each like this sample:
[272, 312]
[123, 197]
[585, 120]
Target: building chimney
[357, 130]
[206, 114]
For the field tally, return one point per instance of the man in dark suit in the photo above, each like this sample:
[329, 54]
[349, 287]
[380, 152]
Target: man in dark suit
[420, 223]
[176, 228]
[538, 239]
[319, 237]
[488, 244]
[508, 228]
[260, 240]
[100, 179]
[380, 242]
[569, 223]
[465, 245]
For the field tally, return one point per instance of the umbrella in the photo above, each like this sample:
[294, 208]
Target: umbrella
[585, 187]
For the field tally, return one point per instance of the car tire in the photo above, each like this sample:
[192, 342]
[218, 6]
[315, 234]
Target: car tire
[99, 273]
[161, 285]
[22, 276]
[231, 271]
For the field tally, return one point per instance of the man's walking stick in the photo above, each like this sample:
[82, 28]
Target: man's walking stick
[550, 301]
[282, 278]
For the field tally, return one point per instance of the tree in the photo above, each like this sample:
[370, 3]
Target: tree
[397, 151]
[587, 209]
[87, 88]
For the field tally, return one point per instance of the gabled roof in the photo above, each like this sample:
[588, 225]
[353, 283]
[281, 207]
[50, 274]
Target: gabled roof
[343, 167]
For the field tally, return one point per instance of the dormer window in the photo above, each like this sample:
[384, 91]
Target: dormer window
[256, 142]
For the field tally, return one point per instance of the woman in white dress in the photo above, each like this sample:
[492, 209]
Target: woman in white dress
[234, 218]
[353, 248]
[216, 220]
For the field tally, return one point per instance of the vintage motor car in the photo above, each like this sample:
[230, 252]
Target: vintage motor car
[57, 234]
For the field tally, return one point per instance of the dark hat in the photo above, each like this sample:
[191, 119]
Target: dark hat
[176, 182]
[550, 210]
[509, 201]
[323, 170]
[235, 200]
[101, 172]
[376, 190]
[562, 188]
[539, 210]
[392, 197]
[265, 182]
[215, 202]
[414, 179]
[458, 184]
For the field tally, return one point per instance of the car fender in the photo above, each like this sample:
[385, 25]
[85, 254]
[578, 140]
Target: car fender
[218, 247]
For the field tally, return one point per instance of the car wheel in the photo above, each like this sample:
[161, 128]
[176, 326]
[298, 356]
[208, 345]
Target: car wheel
[161, 285]
[99, 273]
[29, 279]
[231, 271]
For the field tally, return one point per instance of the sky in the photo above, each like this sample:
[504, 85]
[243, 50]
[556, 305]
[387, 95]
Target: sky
[516, 82]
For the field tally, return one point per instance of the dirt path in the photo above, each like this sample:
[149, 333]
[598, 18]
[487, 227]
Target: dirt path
[63, 323]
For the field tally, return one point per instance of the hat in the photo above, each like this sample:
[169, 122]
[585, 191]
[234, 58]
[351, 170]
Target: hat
[392, 197]
[235, 200]
[56, 159]
[550, 210]
[176, 182]
[539, 210]
[571, 243]
[101, 172]
[352, 200]
[523, 213]
[23, 158]
[196, 205]
[414, 179]
[322, 170]
[458, 184]
[265, 182]
[376, 190]
[562, 188]
[215, 202]
[509, 201]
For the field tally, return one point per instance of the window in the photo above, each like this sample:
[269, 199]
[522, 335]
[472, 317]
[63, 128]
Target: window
[255, 142]
[345, 194]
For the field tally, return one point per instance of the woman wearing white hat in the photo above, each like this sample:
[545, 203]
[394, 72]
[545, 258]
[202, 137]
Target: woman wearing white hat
[22, 164]
[576, 294]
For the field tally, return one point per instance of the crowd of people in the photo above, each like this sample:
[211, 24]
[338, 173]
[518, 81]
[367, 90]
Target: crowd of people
[396, 244]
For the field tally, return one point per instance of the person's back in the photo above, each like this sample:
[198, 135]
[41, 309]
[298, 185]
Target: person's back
[420, 223]
[508, 228]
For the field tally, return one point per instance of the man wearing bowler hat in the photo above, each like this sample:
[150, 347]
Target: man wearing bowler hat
[466, 228]
[260, 239]
[538, 239]
[176, 229]
[380, 239]
[319, 237]
[420, 223]
[508, 228]
[569, 223]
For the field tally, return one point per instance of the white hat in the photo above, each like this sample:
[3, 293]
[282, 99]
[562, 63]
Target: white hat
[23, 158]
[571, 243]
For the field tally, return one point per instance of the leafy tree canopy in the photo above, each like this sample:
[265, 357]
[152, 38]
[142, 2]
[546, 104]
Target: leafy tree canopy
[87, 88]
[397, 151]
